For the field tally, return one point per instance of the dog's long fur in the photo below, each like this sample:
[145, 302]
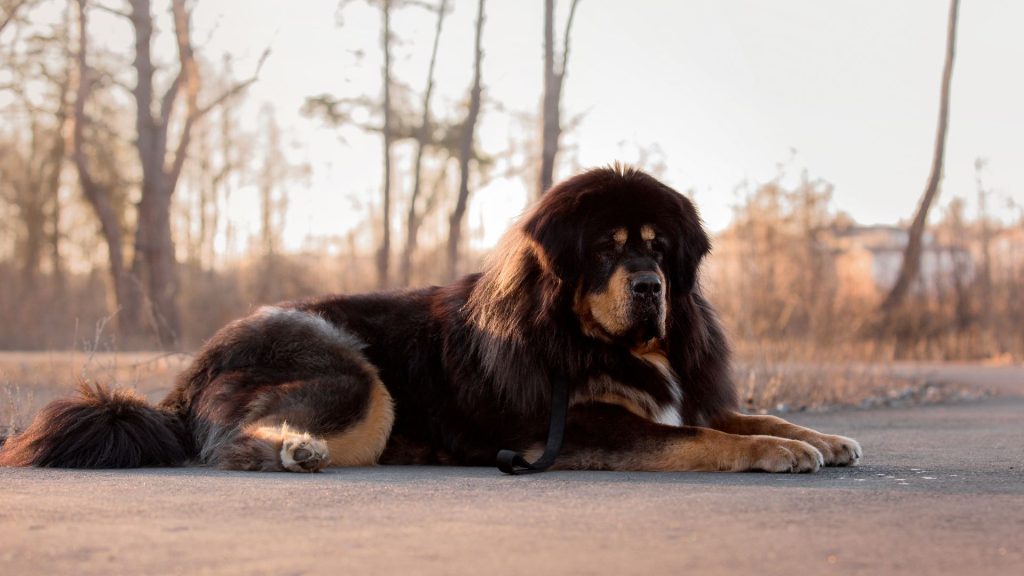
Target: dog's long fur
[597, 283]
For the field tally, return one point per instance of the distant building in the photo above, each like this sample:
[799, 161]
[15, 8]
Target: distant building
[869, 258]
[1007, 253]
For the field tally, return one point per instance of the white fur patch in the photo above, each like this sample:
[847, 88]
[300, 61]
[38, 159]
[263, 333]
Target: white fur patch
[637, 401]
[671, 414]
[293, 440]
[609, 391]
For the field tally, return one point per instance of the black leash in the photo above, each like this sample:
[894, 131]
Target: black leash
[511, 462]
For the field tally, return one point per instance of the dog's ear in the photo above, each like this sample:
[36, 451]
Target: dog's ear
[556, 242]
[692, 244]
[555, 235]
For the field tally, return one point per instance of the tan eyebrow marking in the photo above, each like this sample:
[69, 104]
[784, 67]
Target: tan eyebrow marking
[647, 232]
[620, 236]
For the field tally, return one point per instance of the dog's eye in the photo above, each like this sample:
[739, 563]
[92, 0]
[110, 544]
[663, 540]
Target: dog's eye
[657, 245]
[605, 245]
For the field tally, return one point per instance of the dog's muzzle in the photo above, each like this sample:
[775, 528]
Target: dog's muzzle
[648, 301]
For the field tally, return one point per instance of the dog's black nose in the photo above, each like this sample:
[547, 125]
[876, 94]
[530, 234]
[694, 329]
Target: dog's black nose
[645, 284]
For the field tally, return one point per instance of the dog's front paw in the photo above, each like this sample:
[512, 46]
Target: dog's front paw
[303, 453]
[771, 454]
[837, 450]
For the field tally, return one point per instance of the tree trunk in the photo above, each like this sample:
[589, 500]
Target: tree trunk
[553, 79]
[31, 202]
[384, 252]
[56, 237]
[53, 177]
[151, 246]
[911, 264]
[549, 109]
[154, 266]
[155, 261]
[985, 274]
[422, 139]
[154, 258]
[128, 316]
[466, 151]
[34, 219]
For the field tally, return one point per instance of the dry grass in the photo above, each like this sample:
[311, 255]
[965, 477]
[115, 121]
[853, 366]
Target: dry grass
[815, 387]
[28, 380]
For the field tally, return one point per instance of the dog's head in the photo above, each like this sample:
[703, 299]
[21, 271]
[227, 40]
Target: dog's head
[624, 244]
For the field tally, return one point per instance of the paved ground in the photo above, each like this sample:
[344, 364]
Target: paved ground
[940, 491]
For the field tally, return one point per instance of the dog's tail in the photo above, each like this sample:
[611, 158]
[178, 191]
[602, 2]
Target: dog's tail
[100, 428]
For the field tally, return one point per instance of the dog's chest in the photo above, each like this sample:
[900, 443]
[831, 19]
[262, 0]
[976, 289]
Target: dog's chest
[665, 407]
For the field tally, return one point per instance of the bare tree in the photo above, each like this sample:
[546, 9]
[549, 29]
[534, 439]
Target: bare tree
[912, 254]
[384, 251]
[154, 259]
[37, 67]
[554, 78]
[216, 163]
[275, 170]
[153, 273]
[985, 240]
[466, 152]
[30, 172]
[99, 195]
[423, 138]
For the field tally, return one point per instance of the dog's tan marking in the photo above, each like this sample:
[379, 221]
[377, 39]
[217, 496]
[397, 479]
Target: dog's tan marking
[655, 356]
[836, 450]
[274, 447]
[608, 310]
[533, 453]
[647, 232]
[606, 390]
[638, 403]
[362, 444]
[712, 450]
[620, 236]
[708, 451]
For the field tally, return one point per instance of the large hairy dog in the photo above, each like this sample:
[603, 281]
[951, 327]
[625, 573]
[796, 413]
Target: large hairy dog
[596, 284]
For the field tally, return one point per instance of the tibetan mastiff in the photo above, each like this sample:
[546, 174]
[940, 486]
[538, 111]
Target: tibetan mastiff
[596, 284]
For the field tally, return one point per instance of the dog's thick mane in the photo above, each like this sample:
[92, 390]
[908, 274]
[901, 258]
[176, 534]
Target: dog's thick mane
[512, 302]
[520, 306]
[521, 266]
[521, 303]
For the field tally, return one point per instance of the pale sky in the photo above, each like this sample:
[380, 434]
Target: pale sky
[725, 89]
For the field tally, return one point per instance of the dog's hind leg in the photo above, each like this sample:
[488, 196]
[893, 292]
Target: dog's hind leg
[284, 390]
[272, 448]
[308, 425]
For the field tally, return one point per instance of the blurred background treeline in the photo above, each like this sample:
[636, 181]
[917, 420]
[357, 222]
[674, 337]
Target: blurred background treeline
[166, 166]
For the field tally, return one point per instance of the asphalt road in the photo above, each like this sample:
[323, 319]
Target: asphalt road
[940, 491]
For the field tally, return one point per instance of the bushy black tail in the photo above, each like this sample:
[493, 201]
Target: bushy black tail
[100, 429]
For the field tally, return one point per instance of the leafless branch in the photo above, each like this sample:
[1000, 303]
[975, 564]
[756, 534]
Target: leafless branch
[189, 74]
[113, 11]
[234, 90]
[12, 13]
[167, 102]
[565, 40]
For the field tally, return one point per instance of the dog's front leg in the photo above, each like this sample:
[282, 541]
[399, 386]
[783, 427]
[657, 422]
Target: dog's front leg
[837, 450]
[608, 437]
